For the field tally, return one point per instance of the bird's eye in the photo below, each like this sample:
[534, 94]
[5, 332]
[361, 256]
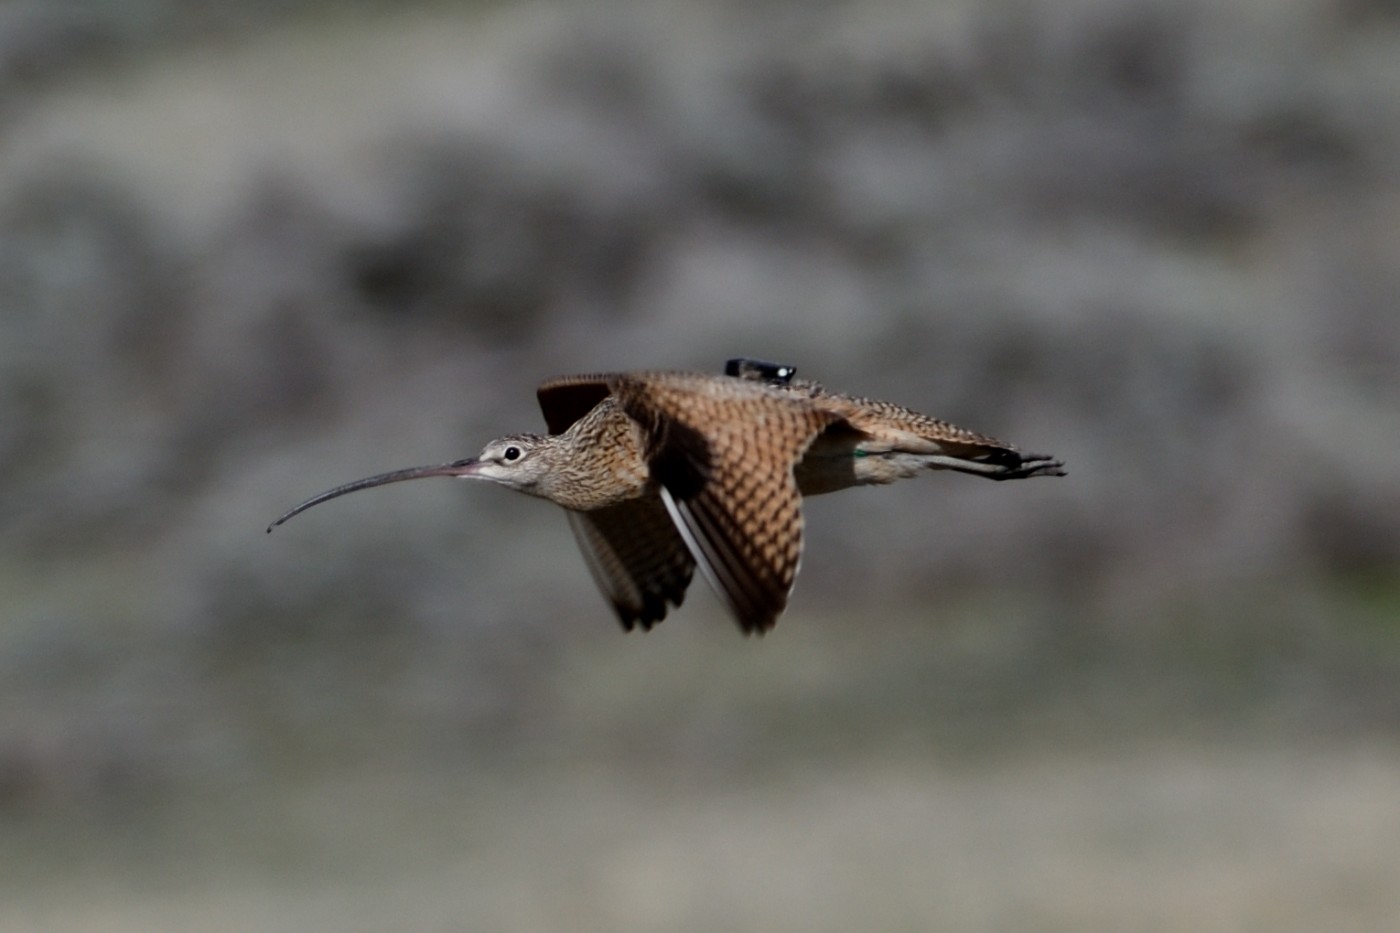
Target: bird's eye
[511, 453]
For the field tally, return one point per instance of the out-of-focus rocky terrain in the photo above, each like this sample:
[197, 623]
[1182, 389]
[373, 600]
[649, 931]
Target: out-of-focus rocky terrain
[245, 256]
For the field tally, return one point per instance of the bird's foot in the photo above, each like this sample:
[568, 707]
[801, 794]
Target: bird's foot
[1029, 465]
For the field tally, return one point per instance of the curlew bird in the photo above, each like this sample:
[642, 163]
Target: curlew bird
[661, 472]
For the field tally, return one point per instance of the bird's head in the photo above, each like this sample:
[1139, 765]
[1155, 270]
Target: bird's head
[513, 461]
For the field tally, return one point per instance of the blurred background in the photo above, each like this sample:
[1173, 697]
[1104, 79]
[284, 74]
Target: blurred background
[250, 251]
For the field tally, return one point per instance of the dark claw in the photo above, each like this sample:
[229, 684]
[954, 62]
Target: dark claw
[1031, 465]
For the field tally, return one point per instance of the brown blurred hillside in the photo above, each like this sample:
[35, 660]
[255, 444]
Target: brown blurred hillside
[247, 256]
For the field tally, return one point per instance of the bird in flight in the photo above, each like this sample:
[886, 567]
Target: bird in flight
[663, 472]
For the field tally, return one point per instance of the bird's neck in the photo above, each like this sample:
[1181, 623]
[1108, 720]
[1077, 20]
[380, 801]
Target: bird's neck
[596, 463]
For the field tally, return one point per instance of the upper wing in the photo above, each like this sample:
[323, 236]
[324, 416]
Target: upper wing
[636, 557]
[566, 399]
[887, 426]
[723, 452]
[912, 431]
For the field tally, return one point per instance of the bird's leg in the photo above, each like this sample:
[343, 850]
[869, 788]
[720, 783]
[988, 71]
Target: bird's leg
[1006, 465]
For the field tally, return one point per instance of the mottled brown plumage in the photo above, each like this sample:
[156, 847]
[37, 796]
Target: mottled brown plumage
[662, 472]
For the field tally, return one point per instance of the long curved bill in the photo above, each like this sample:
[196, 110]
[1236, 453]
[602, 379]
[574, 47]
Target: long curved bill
[456, 468]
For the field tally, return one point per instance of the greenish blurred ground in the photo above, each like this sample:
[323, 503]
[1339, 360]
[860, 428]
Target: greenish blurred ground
[248, 255]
